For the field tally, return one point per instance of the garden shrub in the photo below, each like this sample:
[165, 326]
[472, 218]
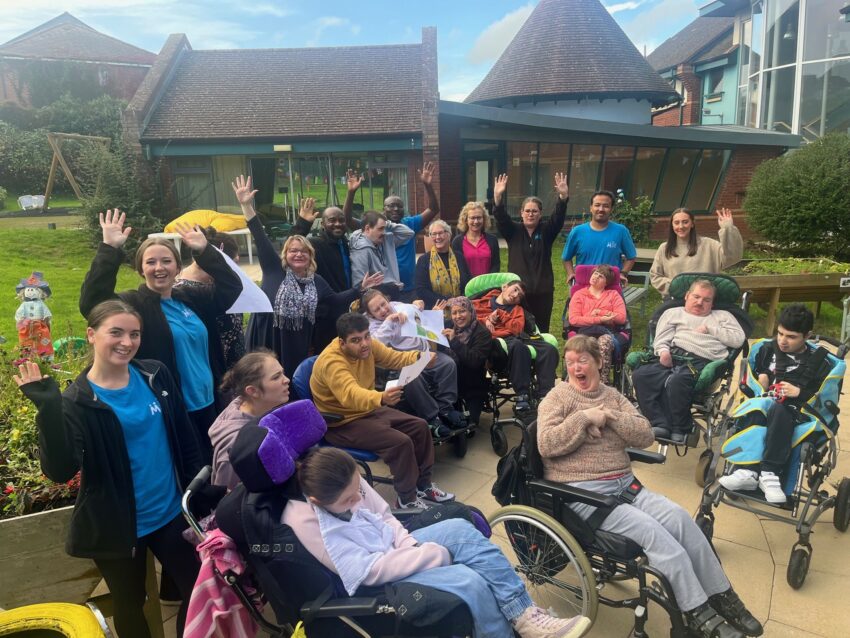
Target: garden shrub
[636, 217]
[800, 202]
[25, 160]
[3, 194]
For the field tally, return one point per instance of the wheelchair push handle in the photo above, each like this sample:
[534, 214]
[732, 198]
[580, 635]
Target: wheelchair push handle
[201, 479]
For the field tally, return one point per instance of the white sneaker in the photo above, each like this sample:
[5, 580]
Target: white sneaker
[535, 622]
[740, 479]
[417, 504]
[434, 493]
[770, 485]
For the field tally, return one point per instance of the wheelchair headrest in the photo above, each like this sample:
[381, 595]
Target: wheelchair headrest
[301, 378]
[481, 284]
[728, 291]
[264, 455]
[583, 273]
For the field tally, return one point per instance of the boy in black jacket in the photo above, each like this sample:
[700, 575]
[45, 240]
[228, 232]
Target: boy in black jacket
[793, 372]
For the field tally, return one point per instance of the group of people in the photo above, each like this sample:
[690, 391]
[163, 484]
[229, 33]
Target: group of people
[169, 387]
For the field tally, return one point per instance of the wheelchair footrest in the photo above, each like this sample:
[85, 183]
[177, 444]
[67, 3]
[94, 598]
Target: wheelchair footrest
[336, 607]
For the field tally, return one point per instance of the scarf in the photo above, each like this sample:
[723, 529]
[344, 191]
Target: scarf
[292, 304]
[445, 283]
[463, 334]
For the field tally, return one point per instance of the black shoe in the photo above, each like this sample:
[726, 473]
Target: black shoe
[728, 605]
[522, 406]
[678, 437]
[660, 433]
[438, 430]
[707, 623]
[453, 419]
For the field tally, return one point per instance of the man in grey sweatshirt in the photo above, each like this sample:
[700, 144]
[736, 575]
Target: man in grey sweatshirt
[373, 251]
[696, 334]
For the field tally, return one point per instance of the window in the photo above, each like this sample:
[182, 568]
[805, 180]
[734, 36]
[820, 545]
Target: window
[757, 46]
[616, 167]
[778, 100]
[554, 158]
[193, 184]
[714, 82]
[225, 169]
[647, 168]
[584, 176]
[677, 173]
[824, 98]
[782, 36]
[522, 173]
[827, 35]
[705, 179]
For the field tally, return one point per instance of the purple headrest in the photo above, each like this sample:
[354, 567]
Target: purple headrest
[293, 429]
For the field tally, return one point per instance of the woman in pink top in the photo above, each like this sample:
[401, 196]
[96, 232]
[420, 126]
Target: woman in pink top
[479, 248]
[597, 311]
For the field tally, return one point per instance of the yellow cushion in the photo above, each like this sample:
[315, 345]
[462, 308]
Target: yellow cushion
[222, 222]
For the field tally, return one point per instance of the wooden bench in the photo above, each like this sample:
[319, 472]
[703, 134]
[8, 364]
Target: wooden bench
[637, 292]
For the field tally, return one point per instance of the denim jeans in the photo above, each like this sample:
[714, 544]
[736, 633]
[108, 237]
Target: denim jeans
[479, 574]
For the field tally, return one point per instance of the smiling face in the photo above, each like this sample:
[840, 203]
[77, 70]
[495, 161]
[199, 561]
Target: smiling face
[297, 256]
[333, 222]
[461, 317]
[159, 268]
[347, 501]
[600, 209]
[475, 220]
[698, 301]
[394, 208]
[530, 213]
[682, 225]
[357, 345]
[583, 370]
[376, 233]
[440, 237]
[115, 340]
[379, 307]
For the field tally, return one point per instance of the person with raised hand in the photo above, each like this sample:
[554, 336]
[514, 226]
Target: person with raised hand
[123, 426]
[297, 293]
[530, 244]
[180, 323]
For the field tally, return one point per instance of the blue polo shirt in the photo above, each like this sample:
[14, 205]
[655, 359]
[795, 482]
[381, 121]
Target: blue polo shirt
[406, 253]
[191, 349]
[154, 483]
[592, 247]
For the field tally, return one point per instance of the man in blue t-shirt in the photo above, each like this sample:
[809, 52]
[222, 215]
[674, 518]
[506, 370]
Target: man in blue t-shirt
[600, 241]
[394, 211]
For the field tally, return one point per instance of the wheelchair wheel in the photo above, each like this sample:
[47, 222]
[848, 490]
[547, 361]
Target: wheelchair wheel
[841, 515]
[703, 473]
[548, 559]
[460, 443]
[499, 440]
[798, 566]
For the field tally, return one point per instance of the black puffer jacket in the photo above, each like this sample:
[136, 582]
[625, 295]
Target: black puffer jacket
[78, 432]
[157, 341]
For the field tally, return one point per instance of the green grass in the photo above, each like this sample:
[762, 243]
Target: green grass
[64, 256]
[57, 200]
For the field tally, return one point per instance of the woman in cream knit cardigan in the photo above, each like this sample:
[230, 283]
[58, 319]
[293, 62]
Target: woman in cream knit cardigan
[685, 251]
[583, 430]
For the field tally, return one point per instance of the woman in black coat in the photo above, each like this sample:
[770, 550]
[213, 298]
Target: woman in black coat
[470, 342]
[440, 272]
[181, 327]
[123, 425]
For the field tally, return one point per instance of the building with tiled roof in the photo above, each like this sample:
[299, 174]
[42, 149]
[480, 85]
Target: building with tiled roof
[701, 63]
[65, 54]
[571, 58]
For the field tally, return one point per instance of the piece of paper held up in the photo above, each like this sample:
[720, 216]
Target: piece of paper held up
[427, 324]
[409, 373]
[252, 298]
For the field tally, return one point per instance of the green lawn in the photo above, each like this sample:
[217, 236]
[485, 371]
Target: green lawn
[64, 256]
[57, 200]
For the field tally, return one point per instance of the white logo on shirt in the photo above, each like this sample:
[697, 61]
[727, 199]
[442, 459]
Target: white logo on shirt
[154, 407]
[612, 244]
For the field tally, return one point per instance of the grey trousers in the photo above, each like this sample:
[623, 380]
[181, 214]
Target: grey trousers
[435, 390]
[670, 539]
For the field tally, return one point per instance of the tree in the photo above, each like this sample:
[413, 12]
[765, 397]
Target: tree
[800, 202]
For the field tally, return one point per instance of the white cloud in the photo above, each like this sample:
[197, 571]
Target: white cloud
[320, 25]
[644, 28]
[267, 9]
[493, 40]
[623, 6]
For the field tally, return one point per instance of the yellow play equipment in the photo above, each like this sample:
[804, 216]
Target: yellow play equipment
[222, 222]
[54, 619]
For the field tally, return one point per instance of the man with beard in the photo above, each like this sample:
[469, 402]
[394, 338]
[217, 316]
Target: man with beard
[600, 241]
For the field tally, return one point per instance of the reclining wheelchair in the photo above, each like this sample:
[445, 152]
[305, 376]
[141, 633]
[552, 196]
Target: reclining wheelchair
[813, 457]
[713, 393]
[500, 391]
[564, 562]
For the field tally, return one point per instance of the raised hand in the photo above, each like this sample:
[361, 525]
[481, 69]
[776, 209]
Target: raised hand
[440, 305]
[500, 186]
[353, 180]
[370, 281]
[724, 216]
[419, 304]
[28, 372]
[427, 173]
[561, 185]
[308, 211]
[243, 188]
[112, 225]
[192, 236]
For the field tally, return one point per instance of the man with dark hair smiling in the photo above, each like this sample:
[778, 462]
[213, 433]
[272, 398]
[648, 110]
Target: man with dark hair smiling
[343, 383]
[373, 250]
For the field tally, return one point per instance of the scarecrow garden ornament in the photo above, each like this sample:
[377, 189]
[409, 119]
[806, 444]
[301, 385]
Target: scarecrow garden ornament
[32, 319]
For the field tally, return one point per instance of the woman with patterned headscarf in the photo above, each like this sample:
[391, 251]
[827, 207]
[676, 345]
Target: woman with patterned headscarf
[440, 273]
[470, 342]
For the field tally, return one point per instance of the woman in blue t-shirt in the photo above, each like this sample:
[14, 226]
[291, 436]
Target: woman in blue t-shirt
[123, 426]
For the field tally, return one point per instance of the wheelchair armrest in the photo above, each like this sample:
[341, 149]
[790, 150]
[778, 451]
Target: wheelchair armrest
[572, 494]
[330, 417]
[336, 607]
[644, 456]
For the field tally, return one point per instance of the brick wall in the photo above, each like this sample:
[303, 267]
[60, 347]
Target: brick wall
[451, 169]
[430, 110]
[689, 112]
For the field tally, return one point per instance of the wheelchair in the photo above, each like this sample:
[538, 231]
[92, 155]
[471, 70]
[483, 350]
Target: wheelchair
[582, 280]
[500, 392]
[713, 393]
[813, 458]
[563, 561]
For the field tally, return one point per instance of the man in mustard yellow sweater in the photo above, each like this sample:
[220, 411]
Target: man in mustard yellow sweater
[343, 382]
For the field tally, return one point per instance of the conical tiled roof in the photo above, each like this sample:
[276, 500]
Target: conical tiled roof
[570, 49]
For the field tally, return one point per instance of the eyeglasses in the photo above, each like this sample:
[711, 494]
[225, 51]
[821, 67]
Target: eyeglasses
[297, 251]
[438, 233]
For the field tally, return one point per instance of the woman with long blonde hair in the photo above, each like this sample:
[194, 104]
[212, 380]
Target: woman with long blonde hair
[478, 248]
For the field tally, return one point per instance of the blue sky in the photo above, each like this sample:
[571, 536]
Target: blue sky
[471, 34]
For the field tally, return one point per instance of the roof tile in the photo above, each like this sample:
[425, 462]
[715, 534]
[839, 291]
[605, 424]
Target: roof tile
[687, 45]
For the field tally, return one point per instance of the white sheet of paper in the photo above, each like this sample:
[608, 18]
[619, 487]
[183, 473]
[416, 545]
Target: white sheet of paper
[252, 298]
[429, 325]
[409, 373]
